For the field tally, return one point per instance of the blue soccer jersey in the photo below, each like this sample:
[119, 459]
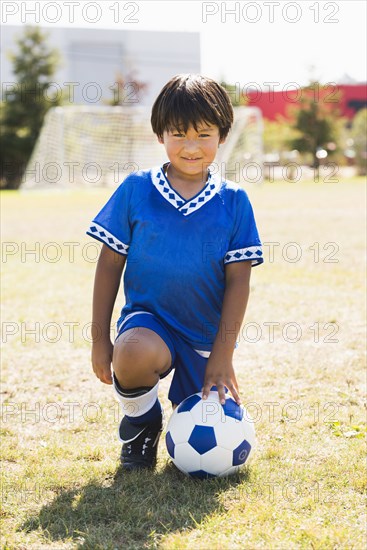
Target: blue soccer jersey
[177, 249]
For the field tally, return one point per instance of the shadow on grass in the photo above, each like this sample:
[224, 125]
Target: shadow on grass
[133, 510]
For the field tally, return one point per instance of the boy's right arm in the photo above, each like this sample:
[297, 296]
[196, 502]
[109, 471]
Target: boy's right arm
[106, 284]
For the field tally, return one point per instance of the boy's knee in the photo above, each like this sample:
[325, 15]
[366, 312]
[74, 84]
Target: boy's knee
[140, 350]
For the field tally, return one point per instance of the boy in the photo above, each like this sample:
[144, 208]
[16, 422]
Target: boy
[189, 240]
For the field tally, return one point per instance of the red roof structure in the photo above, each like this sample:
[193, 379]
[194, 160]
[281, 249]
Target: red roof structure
[353, 97]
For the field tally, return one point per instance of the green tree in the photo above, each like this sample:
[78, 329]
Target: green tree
[235, 93]
[25, 103]
[127, 91]
[315, 120]
[277, 135]
[359, 136]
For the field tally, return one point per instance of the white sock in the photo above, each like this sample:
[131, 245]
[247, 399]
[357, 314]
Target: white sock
[133, 406]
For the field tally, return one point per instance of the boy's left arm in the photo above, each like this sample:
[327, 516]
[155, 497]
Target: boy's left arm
[219, 370]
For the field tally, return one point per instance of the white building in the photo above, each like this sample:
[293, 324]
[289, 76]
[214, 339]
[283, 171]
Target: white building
[92, 60]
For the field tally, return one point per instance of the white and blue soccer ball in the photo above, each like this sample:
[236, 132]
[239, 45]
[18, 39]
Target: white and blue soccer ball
[207, 439]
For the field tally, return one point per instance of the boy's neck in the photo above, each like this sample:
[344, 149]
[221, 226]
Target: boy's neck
[186, 181]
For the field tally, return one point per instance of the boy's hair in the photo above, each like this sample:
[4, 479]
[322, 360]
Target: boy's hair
[188, 99]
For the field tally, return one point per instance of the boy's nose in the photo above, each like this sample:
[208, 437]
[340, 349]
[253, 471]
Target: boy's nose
[191, 145]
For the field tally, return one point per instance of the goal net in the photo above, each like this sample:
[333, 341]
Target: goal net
[99, 146]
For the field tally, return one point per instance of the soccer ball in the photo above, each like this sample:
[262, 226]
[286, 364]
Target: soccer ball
[207, 439]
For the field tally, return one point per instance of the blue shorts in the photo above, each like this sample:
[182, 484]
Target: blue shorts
[189, 364]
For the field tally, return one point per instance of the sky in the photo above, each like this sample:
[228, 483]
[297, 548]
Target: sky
[270, 43]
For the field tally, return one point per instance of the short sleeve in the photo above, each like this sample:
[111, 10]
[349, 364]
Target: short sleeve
[245, 242]
[111, 225]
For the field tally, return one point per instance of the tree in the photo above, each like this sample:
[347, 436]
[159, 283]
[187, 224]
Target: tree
[235, 94]
[25, 103]
[359, 136]
[277, 135]
[315, 120]
[127, 91]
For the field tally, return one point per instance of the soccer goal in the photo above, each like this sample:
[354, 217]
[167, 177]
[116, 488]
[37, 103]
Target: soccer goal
[99, 146]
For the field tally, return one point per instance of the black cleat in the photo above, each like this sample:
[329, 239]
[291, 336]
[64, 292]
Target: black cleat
[140, 444]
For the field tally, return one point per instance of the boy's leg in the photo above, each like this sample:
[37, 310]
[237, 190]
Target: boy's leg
[140, 358]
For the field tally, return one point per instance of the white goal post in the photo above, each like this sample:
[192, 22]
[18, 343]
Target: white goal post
[99, 146]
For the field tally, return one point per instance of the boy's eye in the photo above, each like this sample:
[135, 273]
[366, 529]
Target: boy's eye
[182, 134]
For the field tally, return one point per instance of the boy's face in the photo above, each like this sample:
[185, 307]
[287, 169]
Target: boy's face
[192, 152]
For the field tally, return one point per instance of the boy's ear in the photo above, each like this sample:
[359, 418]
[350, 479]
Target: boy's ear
[222, 140]
[160, 139]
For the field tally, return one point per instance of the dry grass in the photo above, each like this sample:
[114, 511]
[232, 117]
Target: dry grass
[300, 365]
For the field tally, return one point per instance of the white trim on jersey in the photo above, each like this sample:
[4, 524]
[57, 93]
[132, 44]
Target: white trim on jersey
[184, 206]
[100, 233]
[253, 253]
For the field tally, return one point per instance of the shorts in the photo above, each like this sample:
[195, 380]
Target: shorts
[189, 364]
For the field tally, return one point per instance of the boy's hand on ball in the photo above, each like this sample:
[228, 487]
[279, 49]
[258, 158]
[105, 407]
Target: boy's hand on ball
[101, 361]
[220, 374]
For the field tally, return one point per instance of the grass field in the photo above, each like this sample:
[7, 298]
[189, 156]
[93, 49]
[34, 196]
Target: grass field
[300, 365]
